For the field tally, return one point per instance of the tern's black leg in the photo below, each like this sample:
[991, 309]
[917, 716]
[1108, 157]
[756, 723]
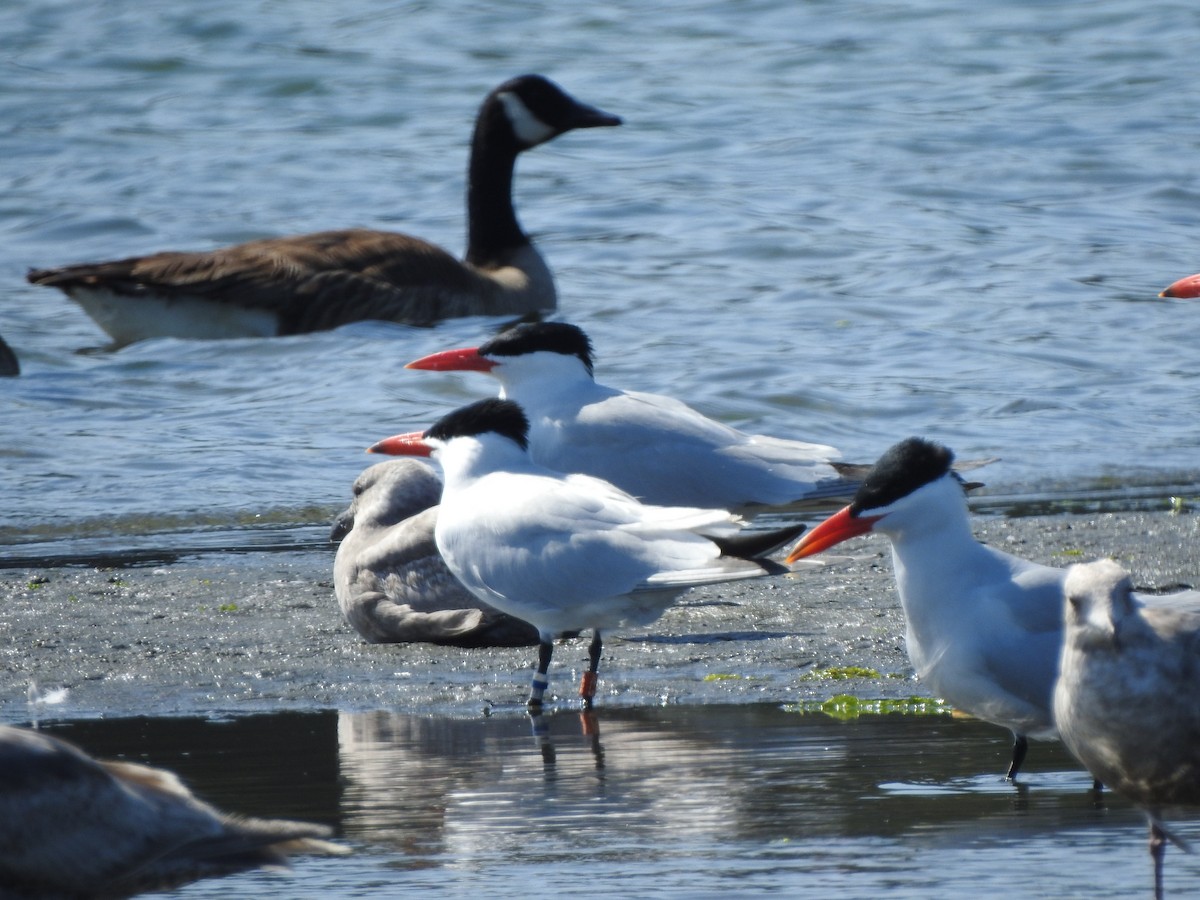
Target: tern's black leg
[541, 735]
[587, 688]
[538, 688]
[1020, 747]
[1158, 846]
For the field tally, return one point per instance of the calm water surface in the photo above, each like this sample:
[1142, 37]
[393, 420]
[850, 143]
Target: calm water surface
[922, 217]
[697, 802]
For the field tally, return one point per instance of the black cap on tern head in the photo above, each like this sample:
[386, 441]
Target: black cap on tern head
[551, 337]
[502, 417]
[906, 466]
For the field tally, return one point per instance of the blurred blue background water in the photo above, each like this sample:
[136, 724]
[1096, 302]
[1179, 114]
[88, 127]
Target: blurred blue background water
[844, 224]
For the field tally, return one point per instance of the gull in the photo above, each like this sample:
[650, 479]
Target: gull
[73, 826]
[390, 581]
[1127, 702]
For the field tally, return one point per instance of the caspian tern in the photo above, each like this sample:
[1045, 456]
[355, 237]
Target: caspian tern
[983, 628]
[567, 552]
[389, 579]
[654, 447]
[1183, 288]
[73, 826]
[1127, 701]
[312, 282]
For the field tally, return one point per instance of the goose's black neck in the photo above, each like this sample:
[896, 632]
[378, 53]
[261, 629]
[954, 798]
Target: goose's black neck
[492, 227]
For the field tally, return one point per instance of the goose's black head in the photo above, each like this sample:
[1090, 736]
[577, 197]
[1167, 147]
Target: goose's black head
[534, 337]
[905, 467]
[538, 110]
[489, 416]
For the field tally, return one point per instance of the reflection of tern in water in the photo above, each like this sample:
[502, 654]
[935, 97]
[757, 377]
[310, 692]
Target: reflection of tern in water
[468, 792]
[73, 826]
[589, 727]
[464, 788]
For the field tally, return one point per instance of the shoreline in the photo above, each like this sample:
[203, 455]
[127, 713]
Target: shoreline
[219, 634]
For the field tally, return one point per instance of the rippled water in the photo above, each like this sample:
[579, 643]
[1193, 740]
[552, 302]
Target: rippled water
[697, 802]
[849, 225]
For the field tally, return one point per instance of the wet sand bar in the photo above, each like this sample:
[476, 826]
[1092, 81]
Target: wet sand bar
[236, 633]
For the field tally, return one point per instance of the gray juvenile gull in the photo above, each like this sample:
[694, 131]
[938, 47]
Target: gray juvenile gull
[73, 826]
[390, 581]
[1128, 696]
[312, 282]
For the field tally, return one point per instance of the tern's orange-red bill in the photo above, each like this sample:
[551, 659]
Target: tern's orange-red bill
[841, 526]
[464, 359]
[410, 444]
[1183, 288]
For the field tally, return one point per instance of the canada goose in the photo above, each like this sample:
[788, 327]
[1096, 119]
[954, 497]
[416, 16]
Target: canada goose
[73, 826]
[312, 282]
